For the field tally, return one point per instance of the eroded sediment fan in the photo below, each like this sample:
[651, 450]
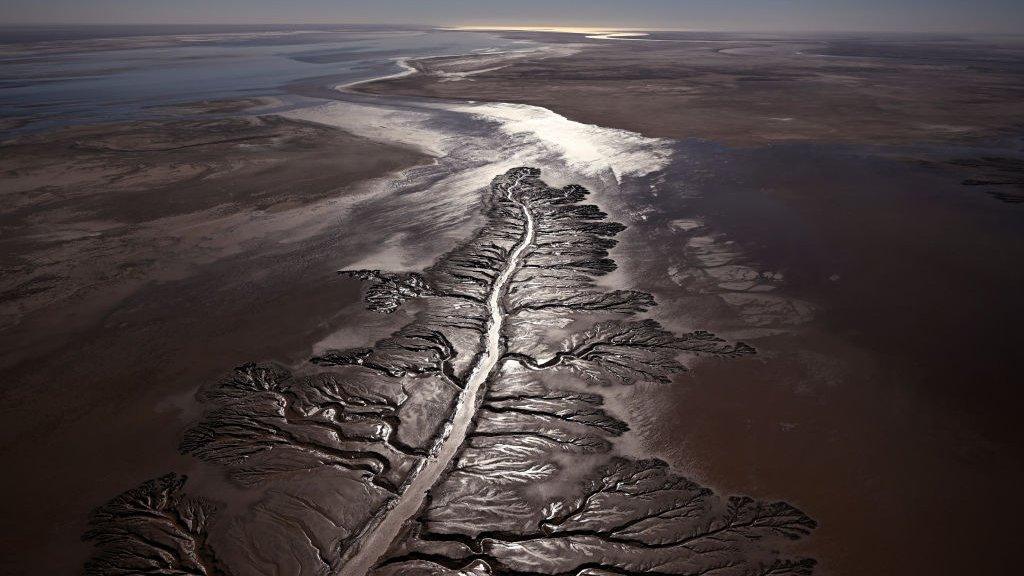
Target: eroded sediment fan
[153, 529]
[474, 440]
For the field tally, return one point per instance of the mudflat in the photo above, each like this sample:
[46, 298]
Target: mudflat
[748, 89]
[749, 305]
[850, 207]
[140, 259]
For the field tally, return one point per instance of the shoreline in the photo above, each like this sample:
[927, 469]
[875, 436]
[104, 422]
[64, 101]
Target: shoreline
[401, 62]
[408, 69]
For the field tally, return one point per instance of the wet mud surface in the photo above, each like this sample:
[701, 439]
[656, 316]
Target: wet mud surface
[130, 275]
[746, 89]
[849, 210]
[881, 297]
[516, 378]
[955, 99]
[493, 399]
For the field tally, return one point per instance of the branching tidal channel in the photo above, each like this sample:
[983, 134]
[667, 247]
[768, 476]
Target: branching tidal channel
[474, 440]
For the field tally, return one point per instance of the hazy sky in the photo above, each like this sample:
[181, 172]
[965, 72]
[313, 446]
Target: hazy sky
[888, 15]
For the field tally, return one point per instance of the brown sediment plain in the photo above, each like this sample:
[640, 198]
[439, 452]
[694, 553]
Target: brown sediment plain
[747, 90]
[141, 258]
[472, 440]
[882, 294]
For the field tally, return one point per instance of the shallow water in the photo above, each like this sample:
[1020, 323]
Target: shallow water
[63, 76]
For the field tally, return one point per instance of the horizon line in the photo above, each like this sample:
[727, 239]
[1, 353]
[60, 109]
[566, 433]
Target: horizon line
[555, 29]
